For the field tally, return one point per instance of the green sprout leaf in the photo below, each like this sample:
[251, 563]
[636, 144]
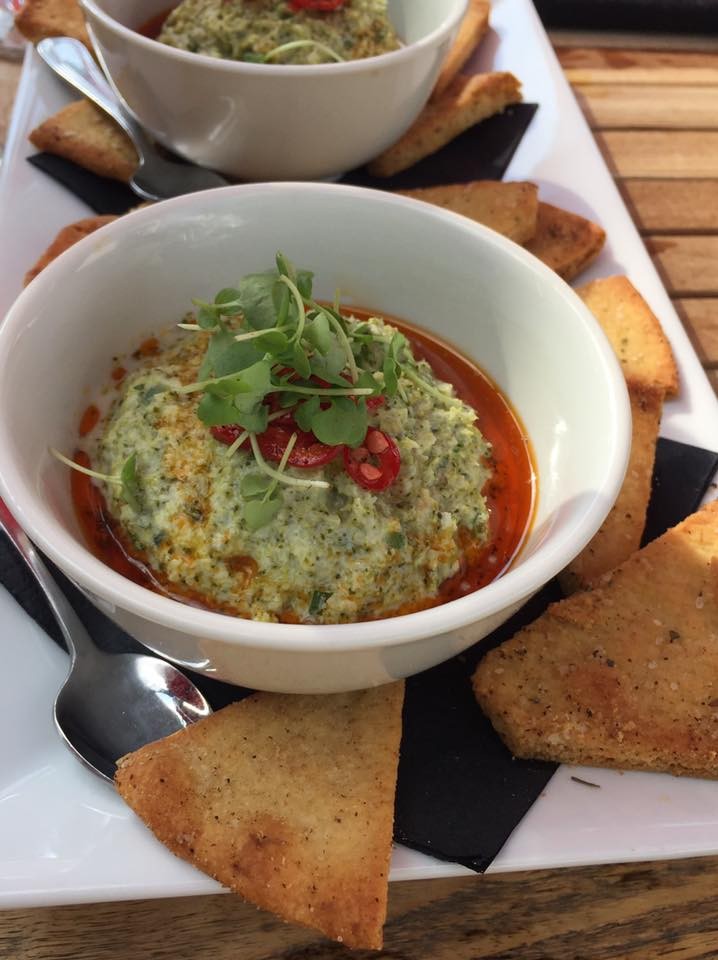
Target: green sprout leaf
[225, 355]
[228, 301]
[318, 333]
[305, 413]
[300, 362]
[256, 297]
[343, 422]
[397, 346]
[330, 365]
[254, 485]
[127, 479]
[259, 513]
[396, 540]
[285, 268]
[130, 487]
[318, 602]
[254, 418]
[391, 376]
[216, 411]
[304, 283]
[206, 317]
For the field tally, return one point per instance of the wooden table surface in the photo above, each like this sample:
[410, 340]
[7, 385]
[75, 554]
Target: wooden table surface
[655, 115]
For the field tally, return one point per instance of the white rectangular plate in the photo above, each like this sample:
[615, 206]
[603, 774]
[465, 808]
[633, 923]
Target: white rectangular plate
[65, 836]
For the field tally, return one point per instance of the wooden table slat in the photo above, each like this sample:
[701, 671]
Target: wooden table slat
[661, 153]
[700, 319]
[622, 62]
[688, 265]
[628, 67]
[672, 206]
[649, 105]
[619, 912]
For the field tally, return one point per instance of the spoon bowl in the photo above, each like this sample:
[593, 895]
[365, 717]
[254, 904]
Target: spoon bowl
[111, 703]
[155, 178]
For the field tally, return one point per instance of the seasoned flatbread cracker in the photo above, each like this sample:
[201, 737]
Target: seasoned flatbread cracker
[66, 238]
[625, 675]
[288, 800]
[621, 532]
[84, 134]
[38, 19]
[564, 241]
[634, 330]
[508, 208]
[472, 30]
[466, 101]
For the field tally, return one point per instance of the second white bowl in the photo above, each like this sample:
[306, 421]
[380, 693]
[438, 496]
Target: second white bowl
[268, 121]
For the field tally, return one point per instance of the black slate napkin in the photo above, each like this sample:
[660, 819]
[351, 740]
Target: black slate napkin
[460, 794]
[103, 195]
[481, 153]
[698, 17]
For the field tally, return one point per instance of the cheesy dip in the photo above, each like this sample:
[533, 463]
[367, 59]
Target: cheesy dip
[282, 460]
[281, 31]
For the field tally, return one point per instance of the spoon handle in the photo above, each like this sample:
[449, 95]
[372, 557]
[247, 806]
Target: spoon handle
[72, 61]
[77, 638]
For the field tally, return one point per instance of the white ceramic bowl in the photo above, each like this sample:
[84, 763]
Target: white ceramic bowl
[268, 121]
[496, 302]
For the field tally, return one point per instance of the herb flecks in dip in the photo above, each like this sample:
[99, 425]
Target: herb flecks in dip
[331, 555]
[285, 460]
[278, 31]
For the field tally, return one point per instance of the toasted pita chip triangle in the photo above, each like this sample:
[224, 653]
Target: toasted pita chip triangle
[66, 238]
[287, 800]
[466, 101]
[508, 208]
[620, 533]
[635, 332]
[473, 28]
[84, 134]
[38, 19]
[624, 675]
[564, 241]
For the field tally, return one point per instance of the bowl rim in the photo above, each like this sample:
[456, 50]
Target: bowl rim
[361, 65]
[511, 588]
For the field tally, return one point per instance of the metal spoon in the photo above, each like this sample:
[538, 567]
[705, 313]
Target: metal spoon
[155, 177]
[110, 703]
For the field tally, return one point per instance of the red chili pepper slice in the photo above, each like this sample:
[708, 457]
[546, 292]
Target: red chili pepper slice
[228, 433]
[322, 5]
[307, 452]
[375, 465]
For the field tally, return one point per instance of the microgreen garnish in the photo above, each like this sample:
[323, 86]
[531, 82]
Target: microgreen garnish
[296, 45]
[262, 501]
[275, 351]
[126, 479]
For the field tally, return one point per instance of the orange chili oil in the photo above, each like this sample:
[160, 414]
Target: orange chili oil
[510, 491]
[89, 420]
[151, 28]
